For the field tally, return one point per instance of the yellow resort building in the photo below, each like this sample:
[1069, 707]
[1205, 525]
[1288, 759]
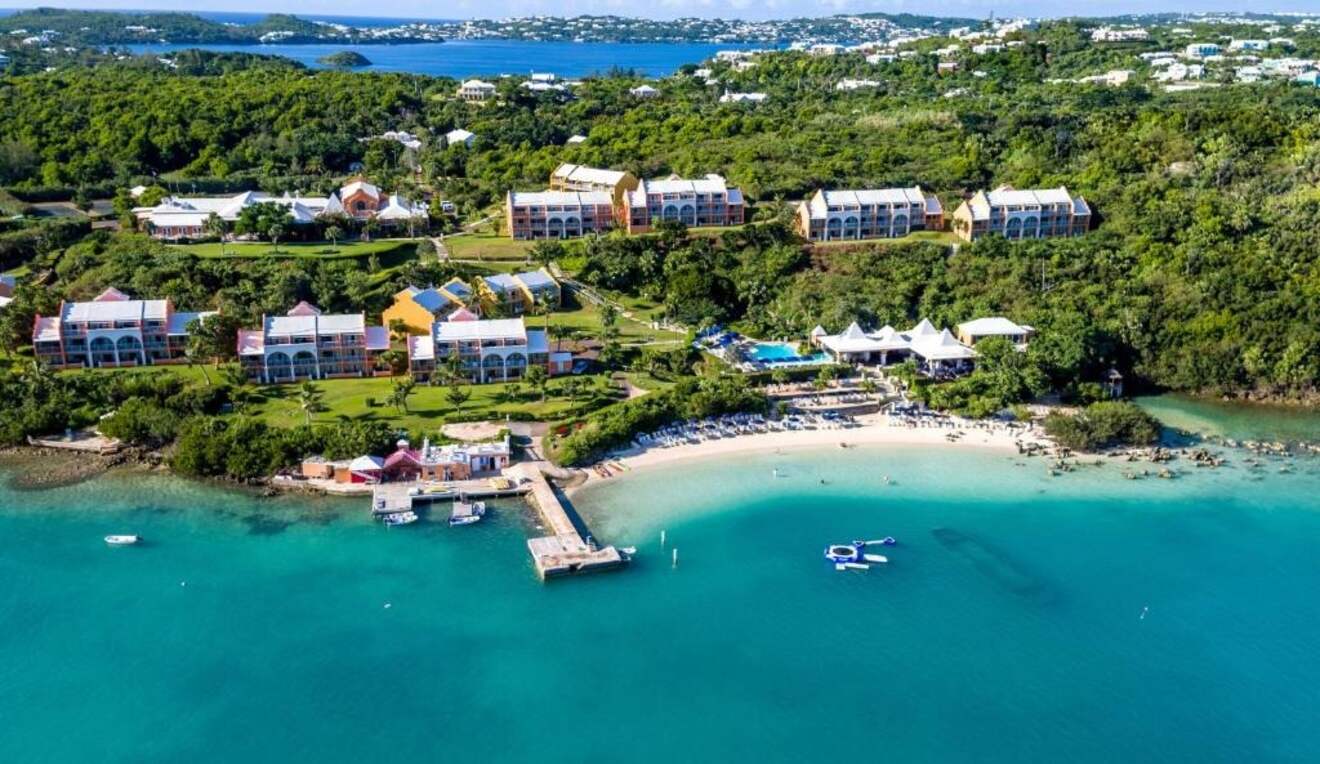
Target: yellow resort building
[418, 308]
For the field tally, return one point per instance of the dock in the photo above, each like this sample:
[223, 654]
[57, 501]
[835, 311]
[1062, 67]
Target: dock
[399, 497]
[564, 552]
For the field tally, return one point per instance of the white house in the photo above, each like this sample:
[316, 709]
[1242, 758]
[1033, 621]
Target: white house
[644, 91]
[459, 135]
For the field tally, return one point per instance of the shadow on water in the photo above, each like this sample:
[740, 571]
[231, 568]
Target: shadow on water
[997, 566]
[265, 525]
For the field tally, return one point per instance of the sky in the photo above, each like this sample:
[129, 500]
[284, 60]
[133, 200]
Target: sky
[750, 9]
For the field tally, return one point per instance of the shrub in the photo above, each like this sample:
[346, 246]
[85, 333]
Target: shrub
[1103, 425]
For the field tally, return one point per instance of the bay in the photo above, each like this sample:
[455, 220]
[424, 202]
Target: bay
[1022, 617]
[490, 57]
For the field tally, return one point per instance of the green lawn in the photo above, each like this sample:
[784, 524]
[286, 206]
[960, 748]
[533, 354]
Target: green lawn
[319, 250]
[486, 246]
[937, 237]
[428, 407]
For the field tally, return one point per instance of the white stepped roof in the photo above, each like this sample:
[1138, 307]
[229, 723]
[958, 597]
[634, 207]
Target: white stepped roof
[561, 198]
[342, 323]
[114, 310]
[711, 184]
[576, 173]
[825, 198]
[941, 347]
[994, 326]
[492, 329]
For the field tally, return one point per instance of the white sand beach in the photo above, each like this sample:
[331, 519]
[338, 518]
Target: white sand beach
[872, 430]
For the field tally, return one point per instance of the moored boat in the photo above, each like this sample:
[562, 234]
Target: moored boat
[122, 540]
[399, 518]
[467, 513]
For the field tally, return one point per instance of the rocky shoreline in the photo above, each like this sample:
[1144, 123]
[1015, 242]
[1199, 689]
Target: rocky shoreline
[35, 469]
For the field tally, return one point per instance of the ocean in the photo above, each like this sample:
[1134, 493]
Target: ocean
[491, 58]
[1022, 617]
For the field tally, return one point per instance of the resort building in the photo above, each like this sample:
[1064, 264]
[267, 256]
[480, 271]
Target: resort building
[705, 202]
[306, 344]
[476, 91]
[558, 214]
[458, 461]
[882, 213]
[188, 218]
[971, 332]
[576, 177]
[743, 98]
[419, 308]
[516, 293]
[644, 91]
[1027, 214]
[112, 330]
[459, 136]
[937, 352]
[488, 350]
[7, 286]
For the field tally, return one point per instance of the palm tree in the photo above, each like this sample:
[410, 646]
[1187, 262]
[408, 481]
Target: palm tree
[194, 352]
[402, 389]
[538, 378]
[275, 232]
[369, 227]
[334, 233]
[217, 227]
[310, 400]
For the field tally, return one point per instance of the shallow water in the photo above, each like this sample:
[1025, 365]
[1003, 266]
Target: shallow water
[1008, 625]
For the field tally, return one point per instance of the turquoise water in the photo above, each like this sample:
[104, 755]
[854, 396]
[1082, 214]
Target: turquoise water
[1008, 626]
[1235, 420]
[782, 352]
[489, 58]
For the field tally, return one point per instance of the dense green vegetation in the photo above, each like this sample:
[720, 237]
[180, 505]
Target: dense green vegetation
[580, 441]
[345, 59]
[1201, 275]
[1106, 424]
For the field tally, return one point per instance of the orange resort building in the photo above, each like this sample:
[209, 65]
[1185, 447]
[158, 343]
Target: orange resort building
[558, 214]
[112, 330]
[576, 177]
[1027, 214]
[937, 352]
[705, 202]
[488, 350]
[878, 213]
[187, 218]
[306, 344]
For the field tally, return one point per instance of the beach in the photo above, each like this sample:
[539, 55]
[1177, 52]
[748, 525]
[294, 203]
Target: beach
[870, 430]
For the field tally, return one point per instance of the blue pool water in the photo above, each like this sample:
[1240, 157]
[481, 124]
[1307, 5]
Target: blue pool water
[781, 353]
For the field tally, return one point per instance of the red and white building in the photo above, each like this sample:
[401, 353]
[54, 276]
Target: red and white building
[877, 213]
[112, 330]
[558, 214]
[307, 344]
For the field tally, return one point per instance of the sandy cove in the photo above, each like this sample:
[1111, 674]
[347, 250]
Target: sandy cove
[872, 430]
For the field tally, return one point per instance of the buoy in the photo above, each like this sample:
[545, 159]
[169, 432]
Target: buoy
[183, 583]
[388, 606]
[662, 539]
[675, 557]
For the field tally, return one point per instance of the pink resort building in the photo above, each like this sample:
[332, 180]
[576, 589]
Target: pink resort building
[307, 344]
[877, 213]
[1025, 214]
[495, 350]
[707, 201]
[112, 330]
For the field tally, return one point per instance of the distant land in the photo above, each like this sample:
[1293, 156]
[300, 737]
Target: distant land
[100, 28]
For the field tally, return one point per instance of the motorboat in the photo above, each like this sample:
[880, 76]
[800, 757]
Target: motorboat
[122, 540]
[399, 518]
[467, 513]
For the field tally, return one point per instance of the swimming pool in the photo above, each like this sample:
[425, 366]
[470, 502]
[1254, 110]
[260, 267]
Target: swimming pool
[773, 353]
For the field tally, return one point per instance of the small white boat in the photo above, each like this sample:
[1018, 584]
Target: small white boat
[122, 540]
[467, 513]
[399, 518]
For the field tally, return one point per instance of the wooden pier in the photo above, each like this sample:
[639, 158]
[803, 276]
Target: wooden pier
[562, 553]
